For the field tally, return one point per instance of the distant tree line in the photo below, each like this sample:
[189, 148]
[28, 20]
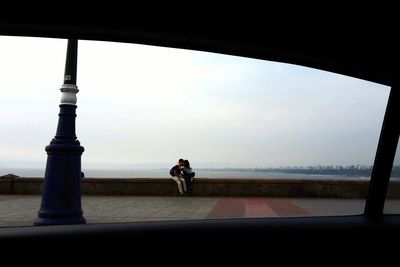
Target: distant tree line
[327, 170]
[352, 170]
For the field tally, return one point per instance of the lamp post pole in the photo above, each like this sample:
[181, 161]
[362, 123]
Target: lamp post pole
[61, 197]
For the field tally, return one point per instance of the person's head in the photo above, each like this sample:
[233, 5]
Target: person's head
[186, 163]
[181, 162]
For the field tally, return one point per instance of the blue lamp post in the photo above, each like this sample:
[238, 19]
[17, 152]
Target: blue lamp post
[61, 197]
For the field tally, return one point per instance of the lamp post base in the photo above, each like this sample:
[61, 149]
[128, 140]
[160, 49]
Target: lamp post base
[51, 217]
[61, 196]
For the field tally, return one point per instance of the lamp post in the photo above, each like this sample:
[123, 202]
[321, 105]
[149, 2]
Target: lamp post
[61, 197]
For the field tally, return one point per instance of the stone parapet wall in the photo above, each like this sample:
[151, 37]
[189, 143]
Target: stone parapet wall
[208, 187]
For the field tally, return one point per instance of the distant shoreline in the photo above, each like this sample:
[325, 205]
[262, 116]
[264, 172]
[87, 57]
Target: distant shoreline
[220, 173]
[200, 174]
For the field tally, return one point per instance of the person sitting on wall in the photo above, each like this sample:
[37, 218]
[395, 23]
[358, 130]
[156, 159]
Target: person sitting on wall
[176, 173]
[188, 176]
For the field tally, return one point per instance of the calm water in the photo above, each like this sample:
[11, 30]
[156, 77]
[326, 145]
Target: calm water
[163, 173]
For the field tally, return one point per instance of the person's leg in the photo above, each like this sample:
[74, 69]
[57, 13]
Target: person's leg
[176, 179]
[191, 178]
[184, 184]
[188, 181]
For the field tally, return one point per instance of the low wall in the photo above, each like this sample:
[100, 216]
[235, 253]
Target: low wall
[208, 187]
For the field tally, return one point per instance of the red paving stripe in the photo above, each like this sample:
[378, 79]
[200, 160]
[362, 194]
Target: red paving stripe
[258, 207]
[286, 207]
[228, 208]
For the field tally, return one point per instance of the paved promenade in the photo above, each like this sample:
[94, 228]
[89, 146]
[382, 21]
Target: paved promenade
[21, 210]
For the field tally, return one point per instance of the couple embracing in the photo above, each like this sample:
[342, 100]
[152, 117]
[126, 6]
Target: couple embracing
[183, 175]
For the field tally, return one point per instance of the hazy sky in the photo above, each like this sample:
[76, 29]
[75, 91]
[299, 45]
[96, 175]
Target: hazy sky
[142, 106]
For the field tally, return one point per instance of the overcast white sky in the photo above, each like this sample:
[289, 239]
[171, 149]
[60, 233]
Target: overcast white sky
[142, 107]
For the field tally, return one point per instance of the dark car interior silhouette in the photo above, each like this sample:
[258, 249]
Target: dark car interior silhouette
[355, 40]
